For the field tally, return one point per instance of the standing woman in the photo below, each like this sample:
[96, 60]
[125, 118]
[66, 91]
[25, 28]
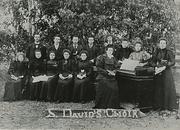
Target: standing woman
[165, 92]
[65, 82]
[17, 72]
[82, 78]
[107, 93]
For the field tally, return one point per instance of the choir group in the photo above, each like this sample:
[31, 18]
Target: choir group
[81, 73]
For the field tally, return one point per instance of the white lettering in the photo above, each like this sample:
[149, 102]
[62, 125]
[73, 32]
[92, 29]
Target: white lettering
[51, 114]
[67, 113]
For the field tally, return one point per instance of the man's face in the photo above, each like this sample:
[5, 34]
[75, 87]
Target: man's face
[162, 44]
[83, 56]
[66, 55]
[90, 40]
[75, 39]
[57, 40]
[37, 38]
[124, 44]
[52, 56]
[38, 54]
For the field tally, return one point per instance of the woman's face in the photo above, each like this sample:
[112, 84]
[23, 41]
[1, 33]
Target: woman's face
[52, 56]
[66, 55]
[110, 51]
[20, 58]
[124, 44]
[109, 38]
[83, 56]
[162, 44]
[138, 47]
[38, 54]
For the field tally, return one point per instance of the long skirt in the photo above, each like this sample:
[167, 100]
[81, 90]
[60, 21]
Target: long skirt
[165, 92]
[107, 94]
[48, 89]
[64, 90]
[80, 91]
[35, 89]
[13, 90]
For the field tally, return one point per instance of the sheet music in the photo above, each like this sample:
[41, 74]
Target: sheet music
[129, 65]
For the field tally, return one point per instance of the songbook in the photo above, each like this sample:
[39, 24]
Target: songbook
[129, 65]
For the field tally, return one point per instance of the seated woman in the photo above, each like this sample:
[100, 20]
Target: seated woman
[82, 78]
[107, 93]
[65, 82]
[37, 69]
[49, 86]
[165, 92]
[139, 54]
[16, 83]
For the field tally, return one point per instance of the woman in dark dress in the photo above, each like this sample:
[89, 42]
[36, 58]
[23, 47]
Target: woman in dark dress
[82, 78]
[123, 51]
[124, 85]
[49, 86]
[37, 68]
[16, 83]
[65, 82]
[107, 93]
[165, 92]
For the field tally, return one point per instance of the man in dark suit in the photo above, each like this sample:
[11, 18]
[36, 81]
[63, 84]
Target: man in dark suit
[75, 48]
[57, 47]
[34, 46]
[91, 49]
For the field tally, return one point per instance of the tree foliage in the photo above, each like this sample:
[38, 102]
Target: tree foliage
[119, 18]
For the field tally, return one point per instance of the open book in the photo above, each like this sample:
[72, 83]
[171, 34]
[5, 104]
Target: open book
[129, 65]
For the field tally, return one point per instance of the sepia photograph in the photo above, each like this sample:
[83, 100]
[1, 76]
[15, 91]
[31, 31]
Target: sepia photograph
[90, 64]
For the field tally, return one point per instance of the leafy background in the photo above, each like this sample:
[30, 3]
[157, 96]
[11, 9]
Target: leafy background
[20, 19]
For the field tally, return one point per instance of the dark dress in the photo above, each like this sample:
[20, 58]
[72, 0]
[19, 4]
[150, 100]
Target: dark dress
[165, 92]
[107, 93]
[49, 86]
[30, 52]
[64, 88]
[13, 88]
[58, 51]
[123, 53]
[125, 87]
[81, 86]
[103, 50]
[37, 67]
